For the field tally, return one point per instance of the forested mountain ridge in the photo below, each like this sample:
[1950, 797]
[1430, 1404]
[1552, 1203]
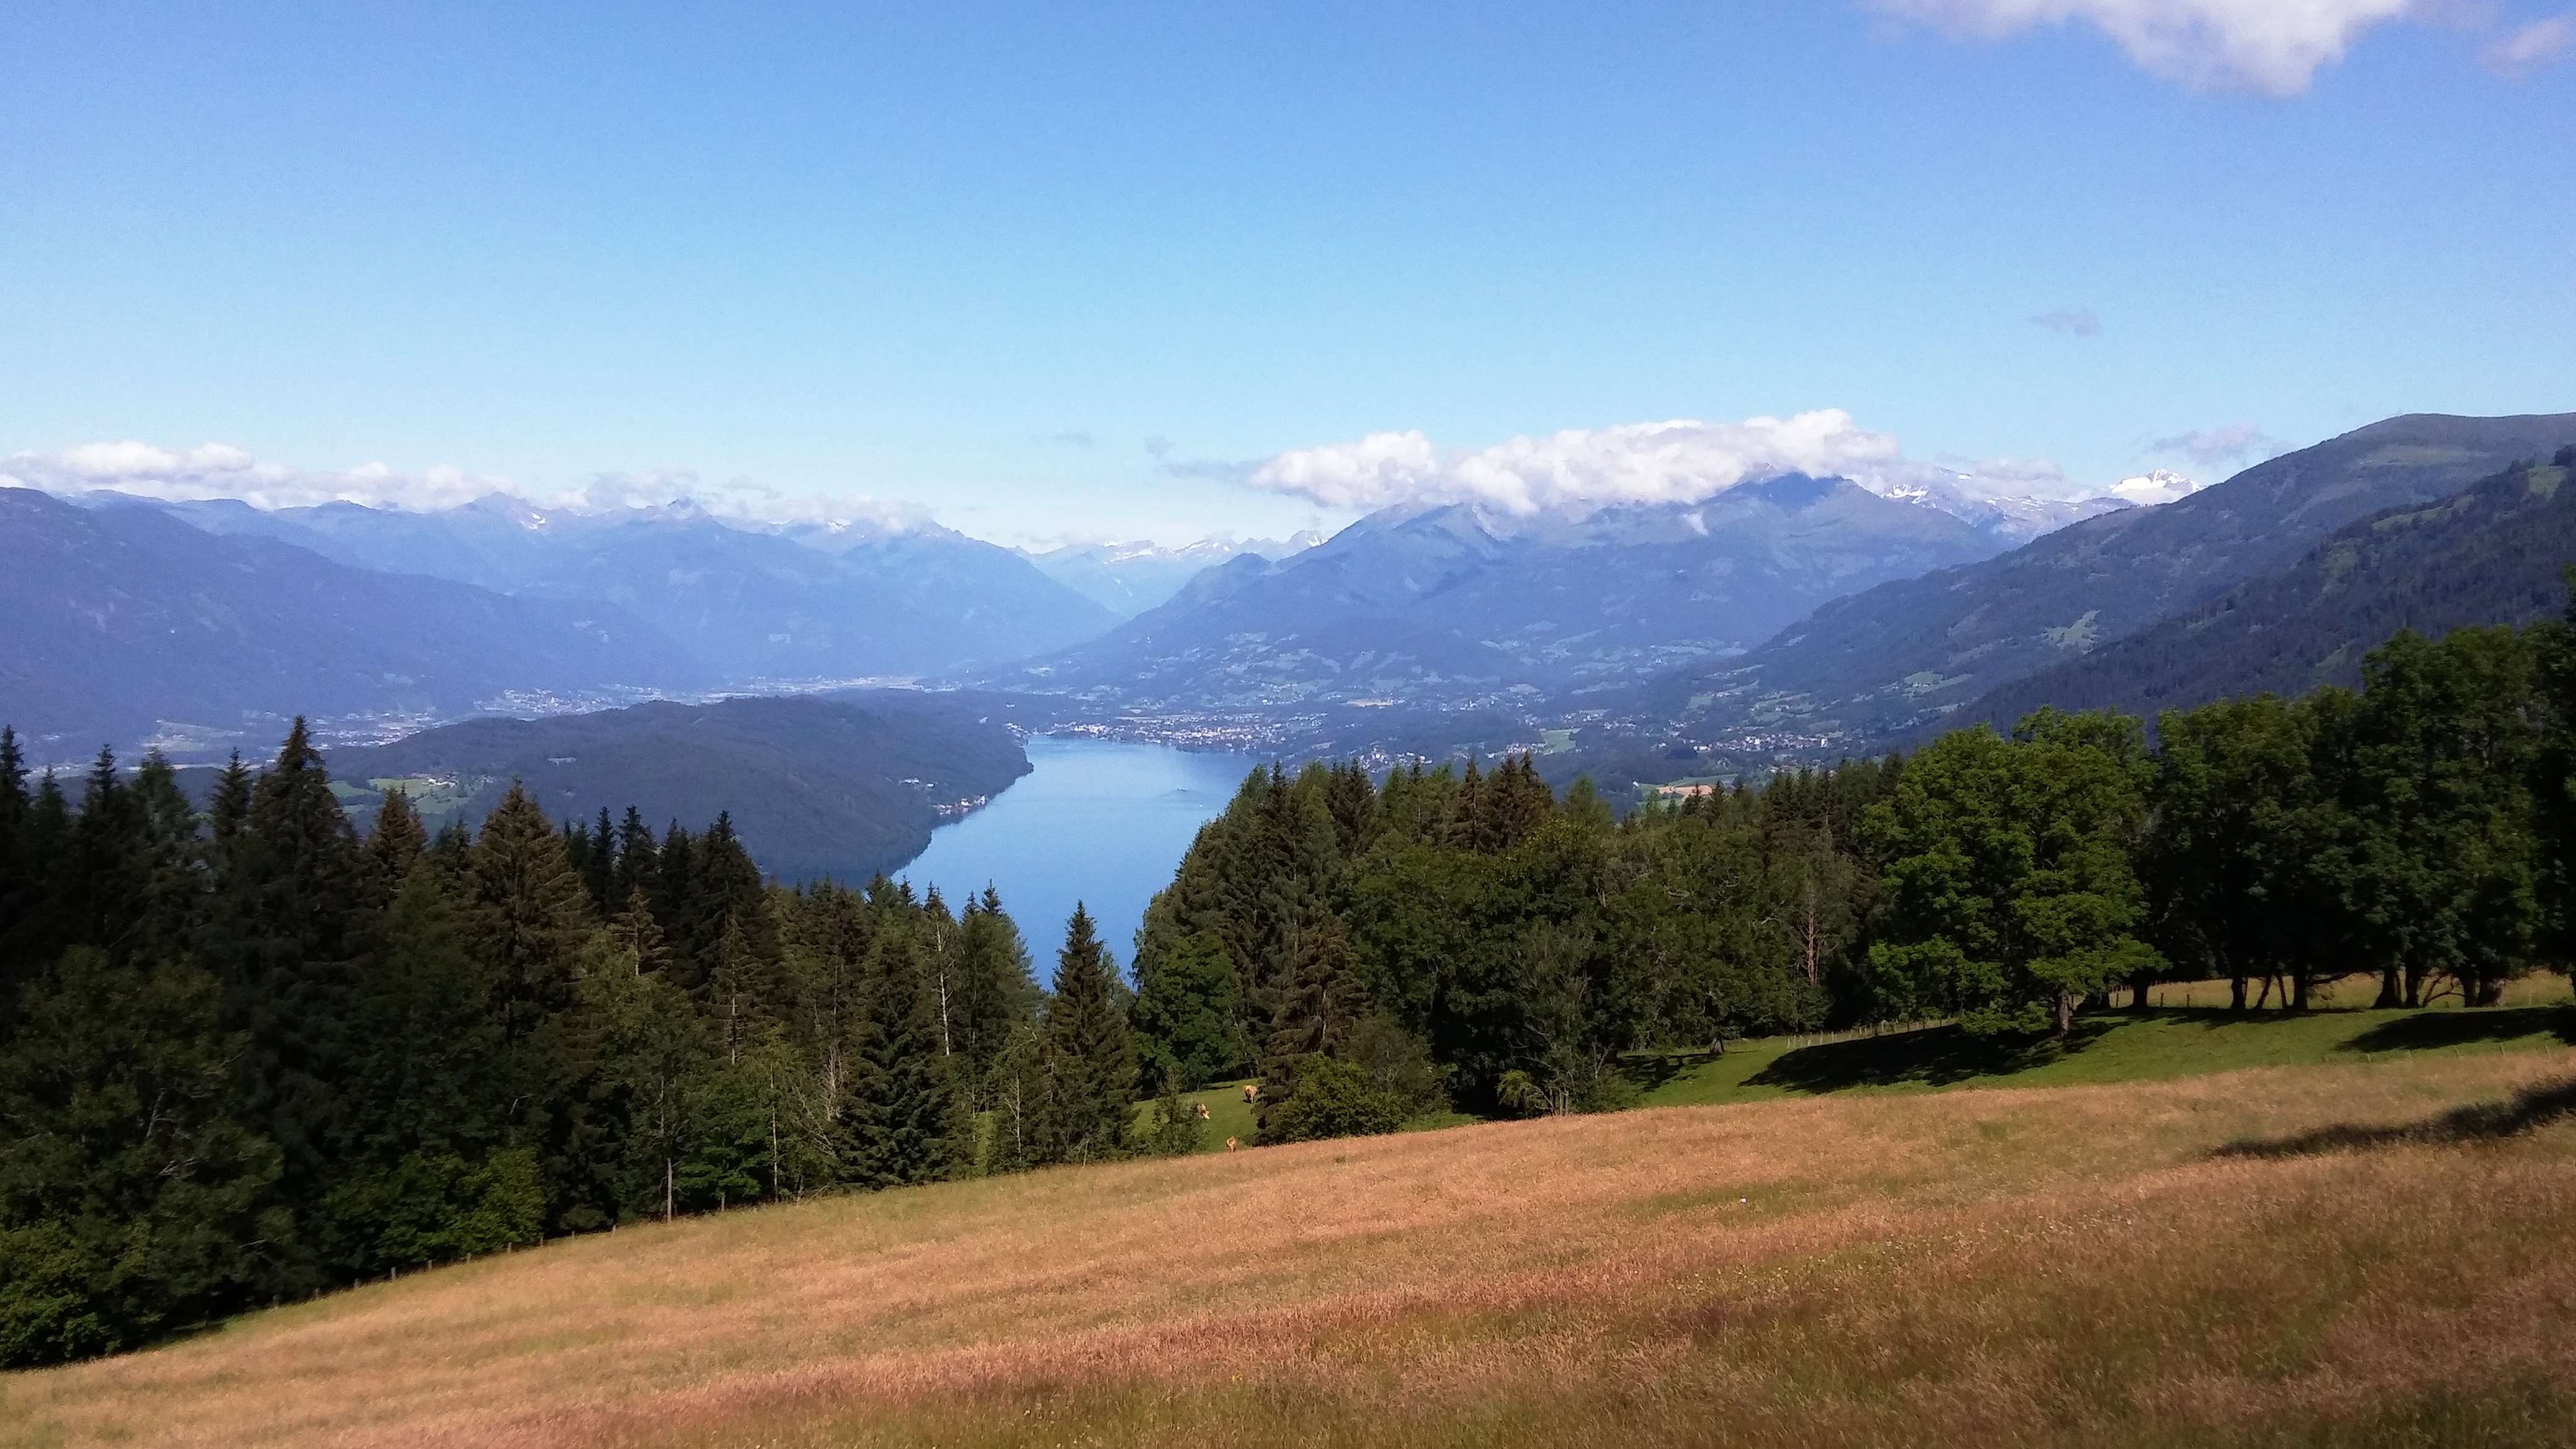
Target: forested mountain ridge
[1454, 602]
[2494, 554]
[1881, 664]
[746, 604]
[123, 620]
[844, 788]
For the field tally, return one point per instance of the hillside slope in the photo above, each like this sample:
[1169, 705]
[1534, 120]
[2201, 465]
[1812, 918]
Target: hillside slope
[1874, 666]
[2490, 555]
[125, 624]
[840, 787]
[2257, 1258]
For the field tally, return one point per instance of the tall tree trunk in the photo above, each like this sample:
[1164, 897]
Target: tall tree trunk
[2388, 994]
[2236, 993]
[666, 1190]
[2065, 1012]
[2299, 989]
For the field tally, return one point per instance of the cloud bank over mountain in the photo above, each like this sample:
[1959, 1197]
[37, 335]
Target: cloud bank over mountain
[1680, 461]
[220, 470]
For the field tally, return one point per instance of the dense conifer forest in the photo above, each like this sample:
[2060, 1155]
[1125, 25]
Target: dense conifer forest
[1373, 950]
[250, 1053]
[247, 1054]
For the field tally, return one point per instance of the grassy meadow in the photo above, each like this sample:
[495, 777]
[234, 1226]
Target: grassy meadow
[2180, 1035]
[2368, 1246]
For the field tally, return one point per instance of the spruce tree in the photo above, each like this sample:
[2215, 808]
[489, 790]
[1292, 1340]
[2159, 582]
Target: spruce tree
[638, 864]
[902, 1122]
[131, 1196]
[1090, 1066]
[995, 995]
[277, 936]
[18, 892]
[394, 844]
[1320, 1011]
[599, 868]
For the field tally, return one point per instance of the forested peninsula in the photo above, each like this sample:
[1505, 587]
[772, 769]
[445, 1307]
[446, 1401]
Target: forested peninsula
[252, 1053]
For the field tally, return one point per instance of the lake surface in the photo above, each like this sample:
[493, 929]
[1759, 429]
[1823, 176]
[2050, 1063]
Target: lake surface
[1097, 821]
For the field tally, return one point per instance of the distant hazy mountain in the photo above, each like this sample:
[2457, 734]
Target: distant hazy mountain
[842, 787]
[1879, 664]
[1456, 603]
[125, 624]
[2491, 555]
[804, 603]
[1129, 578]
[2012, 520]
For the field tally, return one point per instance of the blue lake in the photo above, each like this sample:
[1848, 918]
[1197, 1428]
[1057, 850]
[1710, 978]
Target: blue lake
[1098, 822]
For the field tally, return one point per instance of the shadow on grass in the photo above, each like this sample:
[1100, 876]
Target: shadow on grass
[1934, 1057]
[1650, 1070]
[2479, 1122]
[2420, 1031]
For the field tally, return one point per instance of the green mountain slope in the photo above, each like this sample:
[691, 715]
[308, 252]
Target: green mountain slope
[841, 787]
[2491, 555]
[1878, 666]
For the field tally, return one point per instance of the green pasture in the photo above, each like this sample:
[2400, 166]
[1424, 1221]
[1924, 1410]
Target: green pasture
[2158, 1044]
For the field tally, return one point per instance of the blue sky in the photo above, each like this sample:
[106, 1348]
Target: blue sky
[1076, 269]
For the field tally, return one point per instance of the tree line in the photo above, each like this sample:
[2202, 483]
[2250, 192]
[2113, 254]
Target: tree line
[1375, 949]
[248, 1053]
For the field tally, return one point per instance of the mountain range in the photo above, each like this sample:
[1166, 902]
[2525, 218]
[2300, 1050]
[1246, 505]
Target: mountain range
[127, 625]
[1129, 578]
[1461, 603]
[2494, 554]
[747, 603]
[1881, 665]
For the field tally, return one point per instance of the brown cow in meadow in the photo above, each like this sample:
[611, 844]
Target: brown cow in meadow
[1251, 1091]
[1229, 1144]
[1202, 1106]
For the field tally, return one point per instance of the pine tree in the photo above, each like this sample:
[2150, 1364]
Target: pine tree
[529, 913]
[902, 1121]
[228, 811]
[599, 868]
[277, 936]
[18, 884]
[635, 932]
[394, 845]
[739, 994]
[1320, 1011]
[996, 996]
[1090, 1066]
[131, 1197]
[638, 862]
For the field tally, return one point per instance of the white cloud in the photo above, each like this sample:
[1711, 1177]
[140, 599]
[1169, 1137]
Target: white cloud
[220, 470]
[2532, 46]
[2161, 486]
[1681, 461]
[2077, 323]
[2274, 47]
[1669, 462]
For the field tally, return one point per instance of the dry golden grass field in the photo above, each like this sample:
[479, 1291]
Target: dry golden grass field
[2374, 1253]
